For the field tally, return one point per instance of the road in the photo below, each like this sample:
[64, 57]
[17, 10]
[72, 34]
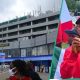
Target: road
[4, 75]
[44, 76]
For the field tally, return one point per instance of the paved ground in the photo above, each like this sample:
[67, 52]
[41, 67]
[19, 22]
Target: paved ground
[44, 76]
[4, 75]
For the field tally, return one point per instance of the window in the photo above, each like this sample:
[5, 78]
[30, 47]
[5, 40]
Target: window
[25, 31]
[14, 52]
[13, 27]
[1, 30]
[0, 41]
[4, 29]
[6, 51]
[52, 26]
[28, 23]
[29, 51]
[23, 52]
[42, 50]
[4, 35]
[13, 34]
[51, 18]
[34, 51]
[50, 46]
[0, 36]
[39, 29]
[39, 21]
[4, 41]
[11, 40]
[23, 24]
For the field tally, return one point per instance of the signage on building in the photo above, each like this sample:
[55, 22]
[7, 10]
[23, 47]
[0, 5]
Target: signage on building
[2, 57]
[4, 44]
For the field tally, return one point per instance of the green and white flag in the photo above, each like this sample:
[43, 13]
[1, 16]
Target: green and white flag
[58, 53]
[56, 61]
[57, 72]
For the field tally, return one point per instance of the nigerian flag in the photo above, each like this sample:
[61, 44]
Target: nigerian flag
[58, 53]
[56, 61]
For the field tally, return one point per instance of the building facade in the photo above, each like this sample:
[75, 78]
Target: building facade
[29, 36]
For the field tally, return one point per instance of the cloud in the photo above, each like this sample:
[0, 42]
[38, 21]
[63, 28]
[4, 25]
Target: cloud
[9, 9]
[5, 5]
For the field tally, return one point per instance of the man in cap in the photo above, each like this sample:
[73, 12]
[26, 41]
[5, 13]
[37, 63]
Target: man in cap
[70, 67]
[78, 26]
[71, 34]
[74, 32]
[77, 39]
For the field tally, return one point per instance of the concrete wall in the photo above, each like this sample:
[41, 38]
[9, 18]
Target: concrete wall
[41, 40]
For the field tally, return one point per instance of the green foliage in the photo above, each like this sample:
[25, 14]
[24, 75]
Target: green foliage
[78, 6]
[71, 5]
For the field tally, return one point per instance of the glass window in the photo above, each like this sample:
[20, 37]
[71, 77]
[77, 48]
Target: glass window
[14, 52]
[50, 46]
[6, 52]
[23, 52]
[34, 51]
[42, 50]
[29, 51]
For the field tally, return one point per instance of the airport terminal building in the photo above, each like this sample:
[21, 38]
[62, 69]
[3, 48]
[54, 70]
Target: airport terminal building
[30, 38]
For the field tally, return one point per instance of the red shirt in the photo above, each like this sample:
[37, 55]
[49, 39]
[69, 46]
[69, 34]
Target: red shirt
[14, 78]
[70, 67]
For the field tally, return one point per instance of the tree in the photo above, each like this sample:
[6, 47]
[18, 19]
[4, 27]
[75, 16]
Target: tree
[71, 5]
[78, 6]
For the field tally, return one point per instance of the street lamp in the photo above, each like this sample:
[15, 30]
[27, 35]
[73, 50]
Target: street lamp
[47, 43]
[19, 48]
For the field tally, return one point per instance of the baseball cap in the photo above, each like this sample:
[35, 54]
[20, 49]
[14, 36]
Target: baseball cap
[78, 21]
[72, 32]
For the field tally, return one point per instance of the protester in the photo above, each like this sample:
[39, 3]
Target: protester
[70, 67]
[18, 71]
[78, 26]
[42, 68]
[34, 75]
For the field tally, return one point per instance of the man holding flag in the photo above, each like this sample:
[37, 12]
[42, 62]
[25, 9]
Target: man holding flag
[66, 63]
[62, 37]
[70, 67]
